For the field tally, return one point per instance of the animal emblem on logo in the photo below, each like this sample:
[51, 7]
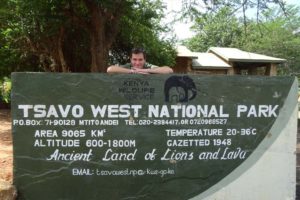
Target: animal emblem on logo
[181, 88]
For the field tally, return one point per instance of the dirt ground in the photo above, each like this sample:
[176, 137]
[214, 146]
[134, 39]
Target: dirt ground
[6, 153]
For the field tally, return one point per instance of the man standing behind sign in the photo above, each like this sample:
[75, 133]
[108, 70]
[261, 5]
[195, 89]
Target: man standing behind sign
[138, 65]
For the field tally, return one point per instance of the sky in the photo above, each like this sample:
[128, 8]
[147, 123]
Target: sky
[182, 29]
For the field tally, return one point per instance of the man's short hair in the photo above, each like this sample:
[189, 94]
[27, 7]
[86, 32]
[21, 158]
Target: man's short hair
[137, 51]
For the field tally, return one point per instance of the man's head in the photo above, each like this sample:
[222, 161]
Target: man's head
[138, 58]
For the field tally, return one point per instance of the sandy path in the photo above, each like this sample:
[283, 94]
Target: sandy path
[6, 153]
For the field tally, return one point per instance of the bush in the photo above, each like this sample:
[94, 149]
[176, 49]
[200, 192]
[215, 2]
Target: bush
[5, 89]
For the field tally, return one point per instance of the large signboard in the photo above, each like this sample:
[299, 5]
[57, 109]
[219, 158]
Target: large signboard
[98, 136]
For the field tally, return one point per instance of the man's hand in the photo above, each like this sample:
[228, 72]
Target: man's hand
[140, 71]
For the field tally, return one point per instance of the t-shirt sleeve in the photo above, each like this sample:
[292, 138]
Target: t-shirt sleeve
[148, 65]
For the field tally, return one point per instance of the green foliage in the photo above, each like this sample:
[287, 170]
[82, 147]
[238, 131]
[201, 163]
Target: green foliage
[142, 28]
[44, 35]
[13, 56]
[193, 9]
[215, 29]
[30, 32]
[5, 89]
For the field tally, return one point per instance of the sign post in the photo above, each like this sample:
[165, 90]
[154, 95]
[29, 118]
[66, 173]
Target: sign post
[98, 136]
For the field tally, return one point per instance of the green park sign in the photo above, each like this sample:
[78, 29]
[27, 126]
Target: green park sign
[99, 136]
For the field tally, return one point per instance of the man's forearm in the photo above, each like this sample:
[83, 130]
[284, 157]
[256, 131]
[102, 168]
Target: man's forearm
[116, 69]
[161, 70]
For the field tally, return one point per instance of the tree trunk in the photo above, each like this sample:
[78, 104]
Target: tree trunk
[99, 49]
[102, 26]
[99, 54]
[62, 60]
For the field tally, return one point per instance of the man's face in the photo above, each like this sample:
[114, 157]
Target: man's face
[137, 60]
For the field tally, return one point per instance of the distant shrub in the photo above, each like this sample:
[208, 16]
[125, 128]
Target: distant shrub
[5, 89]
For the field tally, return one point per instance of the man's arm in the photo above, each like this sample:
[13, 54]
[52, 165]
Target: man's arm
[116, 69]
[161, 70]
[156, 70]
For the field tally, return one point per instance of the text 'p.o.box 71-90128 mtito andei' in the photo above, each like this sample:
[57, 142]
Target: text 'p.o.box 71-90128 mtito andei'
[99, 136]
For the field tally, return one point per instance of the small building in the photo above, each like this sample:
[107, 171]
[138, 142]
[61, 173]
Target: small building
[231, 61]
[209, 63]
[184, 60]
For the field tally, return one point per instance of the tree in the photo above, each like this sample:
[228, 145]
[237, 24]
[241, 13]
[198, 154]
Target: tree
[11, 58]
[142, 28]
[215, 29]
[194, 9]
[47, 22]
[70, 35]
